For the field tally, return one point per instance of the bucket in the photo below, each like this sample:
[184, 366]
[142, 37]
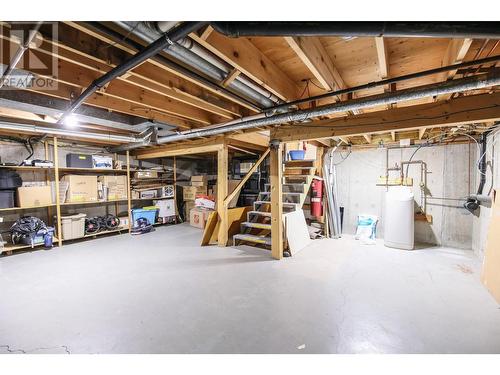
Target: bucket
[297, 154]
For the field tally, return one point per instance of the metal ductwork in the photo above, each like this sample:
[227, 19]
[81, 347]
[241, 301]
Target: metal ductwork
[475, 30]
[449, 87]
[66, 132]
[163, 42]
[192, 54]
[40, 104]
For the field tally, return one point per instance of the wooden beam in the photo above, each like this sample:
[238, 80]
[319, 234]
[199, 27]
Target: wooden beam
[345, 140]
[316, 58]
[90, 53]
[455, 53]
[179, 149]
[58, 203]
[276, 170]
[206, 33]
[251, 137]
[246, 145]
[393, 136]
[459, 111]
[245, 179]
[241, 54]
[231, 77]
[187, 82]
[222, 176]
[368, 138]
[421, 132]
[383, 60]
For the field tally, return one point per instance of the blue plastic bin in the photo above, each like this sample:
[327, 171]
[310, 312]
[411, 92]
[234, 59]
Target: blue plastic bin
[148, 214]
[297, 154]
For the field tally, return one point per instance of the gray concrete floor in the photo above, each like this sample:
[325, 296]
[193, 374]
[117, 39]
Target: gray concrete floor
[162, 293]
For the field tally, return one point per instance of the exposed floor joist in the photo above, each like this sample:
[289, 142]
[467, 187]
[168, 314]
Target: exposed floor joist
[463, 110]
[241, 54]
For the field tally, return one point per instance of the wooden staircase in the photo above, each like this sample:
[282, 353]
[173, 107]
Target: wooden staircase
[297, 178]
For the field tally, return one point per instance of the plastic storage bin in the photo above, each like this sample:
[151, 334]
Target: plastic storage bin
[297, 154]
[73, 226]
[148, 213]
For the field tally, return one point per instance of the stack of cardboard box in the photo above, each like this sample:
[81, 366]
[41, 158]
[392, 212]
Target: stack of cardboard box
[197, 187]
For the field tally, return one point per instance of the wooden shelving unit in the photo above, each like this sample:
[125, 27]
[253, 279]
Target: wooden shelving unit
[55, 173]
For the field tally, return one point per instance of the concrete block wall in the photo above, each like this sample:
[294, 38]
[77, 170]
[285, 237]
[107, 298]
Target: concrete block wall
[450, 176]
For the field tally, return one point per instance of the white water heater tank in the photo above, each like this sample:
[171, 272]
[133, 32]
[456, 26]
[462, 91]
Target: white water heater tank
[399, 218]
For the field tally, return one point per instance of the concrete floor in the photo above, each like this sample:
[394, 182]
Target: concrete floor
[162, 293]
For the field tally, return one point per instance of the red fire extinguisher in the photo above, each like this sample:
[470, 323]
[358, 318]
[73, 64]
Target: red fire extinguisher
[317, 197]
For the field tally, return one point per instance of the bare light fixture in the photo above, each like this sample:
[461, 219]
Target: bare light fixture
[71, 121]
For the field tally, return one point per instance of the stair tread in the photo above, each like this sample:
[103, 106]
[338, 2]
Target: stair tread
[283, 192]
[300, 167]
[290, 184]
[261, 213]
[284, 203]
[249, 224]
[253, 238]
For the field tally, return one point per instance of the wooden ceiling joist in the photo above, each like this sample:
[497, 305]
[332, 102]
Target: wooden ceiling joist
[241, 54]
[108, 45]
[459, 111]
[314, 56]
[202, 146]
[383, 60]
[455, 53]
[393, 136]
[80, 78]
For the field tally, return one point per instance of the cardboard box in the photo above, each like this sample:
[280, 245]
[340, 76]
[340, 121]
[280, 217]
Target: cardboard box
[31, 196]
[116, 185]
[146, 174]
[198, 217]
[189, 192]
[198, 183]
[81, 188]
[199, 178]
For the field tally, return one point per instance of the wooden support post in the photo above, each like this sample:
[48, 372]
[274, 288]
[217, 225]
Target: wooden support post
[175, 190]
[58, 204]
[222, 175]
[129, 195]
[47, 181]
[276, 166]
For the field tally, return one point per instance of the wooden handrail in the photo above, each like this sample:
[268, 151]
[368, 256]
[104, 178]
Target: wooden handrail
[245, 179]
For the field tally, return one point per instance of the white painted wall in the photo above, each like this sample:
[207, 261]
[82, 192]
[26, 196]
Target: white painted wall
[450, 176]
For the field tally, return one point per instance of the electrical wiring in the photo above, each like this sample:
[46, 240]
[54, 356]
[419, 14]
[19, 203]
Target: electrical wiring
[342, 157]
